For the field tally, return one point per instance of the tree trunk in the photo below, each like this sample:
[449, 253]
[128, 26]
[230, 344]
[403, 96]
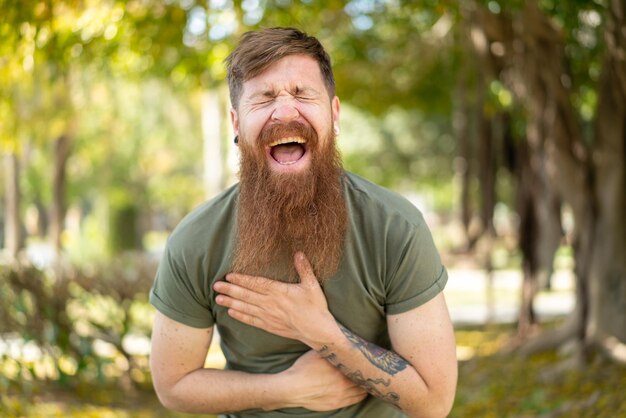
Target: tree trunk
[607, 310]
[528, 233]
[487, 171]
[13, 240]
[538, 205]
[463, 166]
[62, 148]
[539, 210]
[554, 136]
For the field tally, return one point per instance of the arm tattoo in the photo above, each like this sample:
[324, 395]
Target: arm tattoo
[386, 360]
[368, 384]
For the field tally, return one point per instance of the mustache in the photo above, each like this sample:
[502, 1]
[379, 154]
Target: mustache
[283, 130]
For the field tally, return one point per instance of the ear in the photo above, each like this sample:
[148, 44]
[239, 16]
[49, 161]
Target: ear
[335, 108]
[234, 121]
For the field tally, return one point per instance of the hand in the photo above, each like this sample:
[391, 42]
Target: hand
[291, 310]
[319, 386]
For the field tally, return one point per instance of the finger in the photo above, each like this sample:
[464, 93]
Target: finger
[246, 318]
[237, 292]
[256, 283]
[238, 305]
[304, 269]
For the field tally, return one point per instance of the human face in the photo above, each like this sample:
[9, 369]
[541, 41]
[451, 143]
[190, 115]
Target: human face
[290, 90]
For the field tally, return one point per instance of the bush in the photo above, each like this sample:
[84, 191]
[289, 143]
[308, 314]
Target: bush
[73, 325]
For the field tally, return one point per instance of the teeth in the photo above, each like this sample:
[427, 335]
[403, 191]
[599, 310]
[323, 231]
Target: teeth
[297, 139]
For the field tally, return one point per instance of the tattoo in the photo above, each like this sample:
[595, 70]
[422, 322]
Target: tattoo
[370, 386]
[386, 360]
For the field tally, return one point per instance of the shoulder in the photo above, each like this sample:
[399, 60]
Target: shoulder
[371, 200]
[206, 222]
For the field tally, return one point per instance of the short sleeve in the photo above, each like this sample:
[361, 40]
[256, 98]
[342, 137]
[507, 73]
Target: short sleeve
[419, 274]
[175, 292]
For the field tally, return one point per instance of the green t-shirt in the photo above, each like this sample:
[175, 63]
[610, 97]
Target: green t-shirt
[389, 265]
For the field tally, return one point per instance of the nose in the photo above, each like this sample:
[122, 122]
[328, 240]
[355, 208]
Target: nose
[285, 111]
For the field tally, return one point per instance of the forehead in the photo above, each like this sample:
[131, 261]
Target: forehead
[290, 71]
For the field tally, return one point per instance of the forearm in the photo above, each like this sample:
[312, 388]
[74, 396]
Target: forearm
[214, 391]
[382, 373]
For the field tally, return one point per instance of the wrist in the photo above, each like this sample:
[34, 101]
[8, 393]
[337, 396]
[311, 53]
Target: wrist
[325, 331]
[285, 388]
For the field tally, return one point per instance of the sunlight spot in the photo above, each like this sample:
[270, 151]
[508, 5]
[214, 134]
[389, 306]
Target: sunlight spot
[117, 14]
[136, 344]
[197, 23]
[363, 22]
[616, 348]
[590, 18]
[494, 7]
[104, 349]
[28, 63]
[110, 32]
[31, 352]
[10, 369]
[218, 4]
[137, 375]
[464, 352]
[68, 365]
[76, 50]
[497, 49]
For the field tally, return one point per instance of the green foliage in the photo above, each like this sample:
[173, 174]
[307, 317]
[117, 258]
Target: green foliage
[122, 80]
[136, 145]
[123, 229]
[405, 150]
[581, 24]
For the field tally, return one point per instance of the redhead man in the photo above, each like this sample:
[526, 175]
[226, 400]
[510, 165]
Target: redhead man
[326, 289]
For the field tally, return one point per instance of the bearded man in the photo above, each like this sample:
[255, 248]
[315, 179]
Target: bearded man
[326, 289]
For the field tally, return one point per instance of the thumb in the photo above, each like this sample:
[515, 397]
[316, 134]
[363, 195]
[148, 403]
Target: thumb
[304, 269]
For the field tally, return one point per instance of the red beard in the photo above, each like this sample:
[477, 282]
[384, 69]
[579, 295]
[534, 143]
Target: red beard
[279, 214]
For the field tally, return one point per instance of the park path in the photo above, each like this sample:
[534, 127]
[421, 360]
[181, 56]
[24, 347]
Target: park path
[468, 296]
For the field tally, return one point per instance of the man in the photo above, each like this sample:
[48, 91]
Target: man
[325, 289]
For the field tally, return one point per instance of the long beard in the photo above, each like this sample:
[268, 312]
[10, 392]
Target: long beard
[279, 214]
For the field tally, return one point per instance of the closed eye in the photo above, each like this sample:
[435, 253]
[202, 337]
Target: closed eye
[263, 102]
[304, 93]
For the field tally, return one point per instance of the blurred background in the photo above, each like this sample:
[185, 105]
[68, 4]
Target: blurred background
[503, 121]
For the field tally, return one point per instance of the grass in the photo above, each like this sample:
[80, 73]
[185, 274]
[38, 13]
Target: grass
[492, 383]
[46, 400]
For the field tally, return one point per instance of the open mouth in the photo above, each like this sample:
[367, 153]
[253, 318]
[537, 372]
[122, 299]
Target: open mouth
[287, 151]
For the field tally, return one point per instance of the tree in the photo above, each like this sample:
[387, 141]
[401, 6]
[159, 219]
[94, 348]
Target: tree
[584, 167]
[42, 70]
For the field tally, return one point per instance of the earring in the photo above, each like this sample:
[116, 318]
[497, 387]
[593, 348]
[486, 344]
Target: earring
[236, 140]
[336, 130]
